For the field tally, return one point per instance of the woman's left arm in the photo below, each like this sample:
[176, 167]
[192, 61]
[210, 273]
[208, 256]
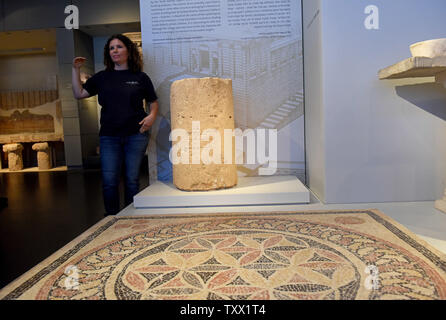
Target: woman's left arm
[148, 121]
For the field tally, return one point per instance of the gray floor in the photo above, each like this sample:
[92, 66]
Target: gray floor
[420, 217]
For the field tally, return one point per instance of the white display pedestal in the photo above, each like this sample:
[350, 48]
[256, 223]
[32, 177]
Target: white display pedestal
[415, 67]
[441, 205]
[264, 190]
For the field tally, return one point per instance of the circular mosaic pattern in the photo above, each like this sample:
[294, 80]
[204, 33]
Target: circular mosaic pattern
[246, 258]
[248, 265]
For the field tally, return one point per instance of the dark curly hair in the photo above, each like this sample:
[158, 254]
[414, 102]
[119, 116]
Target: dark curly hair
[134, 62]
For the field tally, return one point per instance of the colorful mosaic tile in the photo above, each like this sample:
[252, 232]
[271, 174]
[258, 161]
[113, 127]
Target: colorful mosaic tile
[343, 255]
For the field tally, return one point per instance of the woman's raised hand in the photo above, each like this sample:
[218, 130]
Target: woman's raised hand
[78, 62]
[78, 91]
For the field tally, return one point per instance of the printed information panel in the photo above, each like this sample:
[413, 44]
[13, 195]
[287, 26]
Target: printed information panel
[256, 43]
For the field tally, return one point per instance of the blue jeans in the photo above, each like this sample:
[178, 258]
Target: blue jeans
[115, 151]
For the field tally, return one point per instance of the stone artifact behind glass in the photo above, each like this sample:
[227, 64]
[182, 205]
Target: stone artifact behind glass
[197, 105]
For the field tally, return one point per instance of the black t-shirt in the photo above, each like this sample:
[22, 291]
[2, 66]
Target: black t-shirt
[121, 94]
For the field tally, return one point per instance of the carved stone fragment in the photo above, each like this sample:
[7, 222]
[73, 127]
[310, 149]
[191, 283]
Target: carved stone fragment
[43, 155]
[203, 104]
[15, 160]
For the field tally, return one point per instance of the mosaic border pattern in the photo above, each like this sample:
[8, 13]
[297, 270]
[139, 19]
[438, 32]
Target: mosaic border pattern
[431, 256]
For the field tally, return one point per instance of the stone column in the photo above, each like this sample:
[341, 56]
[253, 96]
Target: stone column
[197, 105]
[15, 160]
[43, 155]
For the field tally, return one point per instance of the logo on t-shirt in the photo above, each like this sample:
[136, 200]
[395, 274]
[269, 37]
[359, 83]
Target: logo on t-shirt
[132, 83]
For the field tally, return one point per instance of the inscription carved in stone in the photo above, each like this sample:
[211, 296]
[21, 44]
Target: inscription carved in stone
[209, 102]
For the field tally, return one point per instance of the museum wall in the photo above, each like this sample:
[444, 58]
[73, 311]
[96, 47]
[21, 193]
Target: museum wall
[98, 47]
[32, 14]
[384, 139]
[99, 43]
[88, 116]
[20, 71]
[314, 125]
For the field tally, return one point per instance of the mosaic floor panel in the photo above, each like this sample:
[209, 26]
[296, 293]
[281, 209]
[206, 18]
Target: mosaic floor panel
[334, 255]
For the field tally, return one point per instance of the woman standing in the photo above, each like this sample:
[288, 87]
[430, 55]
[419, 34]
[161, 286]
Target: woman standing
[124, 135]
